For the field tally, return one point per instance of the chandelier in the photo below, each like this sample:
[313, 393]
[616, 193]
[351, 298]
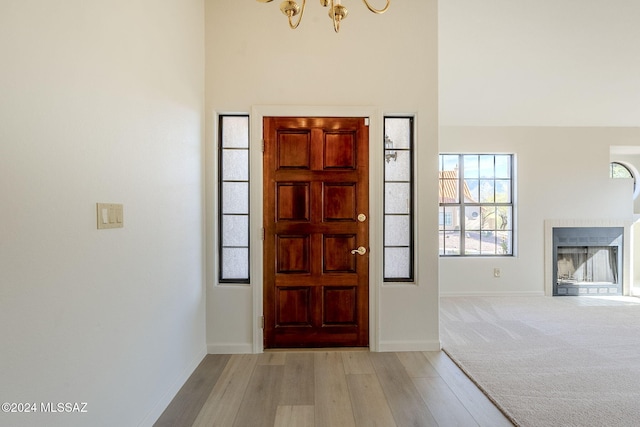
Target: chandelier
[337, 12]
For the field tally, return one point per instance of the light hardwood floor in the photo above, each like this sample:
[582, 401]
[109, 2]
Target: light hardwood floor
[330, 389]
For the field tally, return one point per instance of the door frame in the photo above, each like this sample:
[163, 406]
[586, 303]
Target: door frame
[376, 175]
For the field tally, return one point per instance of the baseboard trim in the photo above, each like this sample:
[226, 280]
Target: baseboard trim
[493, 294]
[167, 397]
[230, 348]
[433, 345]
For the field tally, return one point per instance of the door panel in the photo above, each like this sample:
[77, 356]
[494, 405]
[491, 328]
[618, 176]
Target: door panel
[293, 201]
[316, 291]
[337, 254]
[294, 306]
[293, 254]
[340, 303]
[339, 201]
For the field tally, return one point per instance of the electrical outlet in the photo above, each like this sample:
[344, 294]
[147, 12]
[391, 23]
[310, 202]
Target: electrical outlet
[497, 272]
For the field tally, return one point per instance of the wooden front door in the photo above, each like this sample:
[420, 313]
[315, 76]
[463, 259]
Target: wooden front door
[316, 215]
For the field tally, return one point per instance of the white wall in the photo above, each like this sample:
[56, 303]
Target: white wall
[100, 102]
[539, 63]
[555, 83]
[387, 62]
[561, 173]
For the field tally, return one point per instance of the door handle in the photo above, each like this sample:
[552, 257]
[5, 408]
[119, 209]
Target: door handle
[360, 251]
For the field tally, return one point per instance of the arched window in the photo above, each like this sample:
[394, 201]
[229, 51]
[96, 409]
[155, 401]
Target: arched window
[625, 170]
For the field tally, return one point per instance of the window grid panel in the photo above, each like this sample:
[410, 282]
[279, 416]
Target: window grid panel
[234, 165]
[398, 265]
[398, 169]
[235, 231]
[618, 170]
[486, 226]
[449, 192]
[233, 199]
[392, 237]
[234, 131]
[398, 241]
[234, 267]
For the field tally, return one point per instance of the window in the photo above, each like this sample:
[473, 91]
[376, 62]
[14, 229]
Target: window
[398, 199]
[446, 218]
[624, 170]
[618, 170]
[233, 199]
[476, 204]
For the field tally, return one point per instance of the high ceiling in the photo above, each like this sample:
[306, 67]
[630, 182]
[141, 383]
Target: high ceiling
[539, 63]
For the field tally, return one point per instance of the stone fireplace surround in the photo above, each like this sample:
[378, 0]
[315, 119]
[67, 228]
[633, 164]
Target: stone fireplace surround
[550, 255]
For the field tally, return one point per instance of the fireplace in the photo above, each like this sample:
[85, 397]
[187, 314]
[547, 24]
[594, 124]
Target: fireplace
[587, 260]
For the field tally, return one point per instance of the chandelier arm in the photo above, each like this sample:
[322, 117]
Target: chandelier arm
[291, 25]
[336, 22]
[378, 11]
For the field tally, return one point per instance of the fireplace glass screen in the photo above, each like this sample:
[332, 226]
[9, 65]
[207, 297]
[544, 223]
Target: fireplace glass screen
[587, 264]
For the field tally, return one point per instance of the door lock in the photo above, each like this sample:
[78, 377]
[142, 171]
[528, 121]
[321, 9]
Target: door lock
[360, 251]
[362, 217]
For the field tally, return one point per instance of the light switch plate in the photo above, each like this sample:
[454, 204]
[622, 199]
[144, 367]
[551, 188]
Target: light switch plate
[110, 215]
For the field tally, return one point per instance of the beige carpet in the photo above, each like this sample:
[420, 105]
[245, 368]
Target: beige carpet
[550, 361]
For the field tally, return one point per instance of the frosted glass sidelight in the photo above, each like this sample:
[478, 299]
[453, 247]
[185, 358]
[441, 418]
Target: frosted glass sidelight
[398, 129]
[396, 230]
[400, 168]
[235, 263]
[235, 165]
[396, 198]
[397, 262]
[235, 197]
[235, 131]
[233, 209]
[235, 230]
